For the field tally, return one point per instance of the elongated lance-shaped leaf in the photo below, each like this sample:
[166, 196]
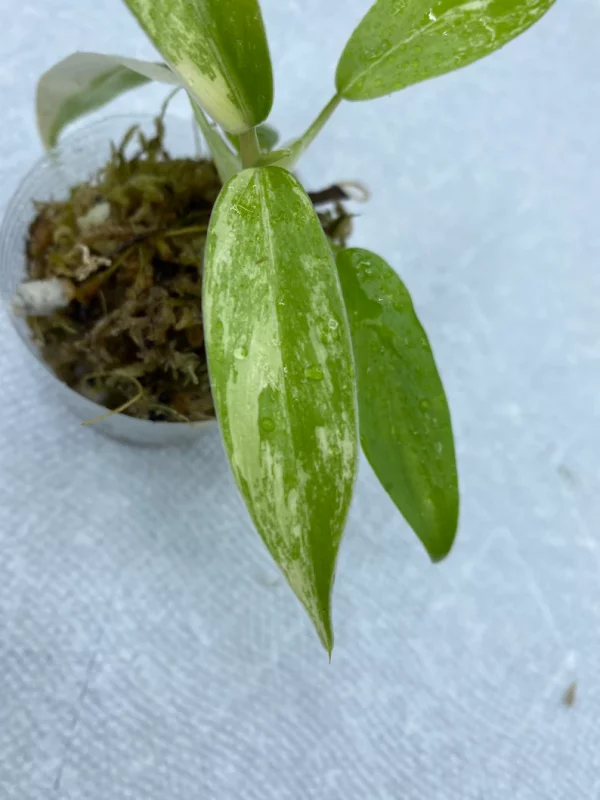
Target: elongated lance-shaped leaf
[405, 426]
[219, 48]
[226, 161]
[282, 375]
[401, 42]
[84, 82]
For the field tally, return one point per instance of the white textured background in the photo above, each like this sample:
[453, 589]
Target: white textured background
[148, 649]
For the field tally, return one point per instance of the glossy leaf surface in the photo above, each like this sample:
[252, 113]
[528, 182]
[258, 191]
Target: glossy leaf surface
[405, 426]
[219, 48]
[282, 375]
[401, 42]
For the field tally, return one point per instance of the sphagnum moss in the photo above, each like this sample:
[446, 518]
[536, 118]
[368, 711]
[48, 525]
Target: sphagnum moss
[129, 244]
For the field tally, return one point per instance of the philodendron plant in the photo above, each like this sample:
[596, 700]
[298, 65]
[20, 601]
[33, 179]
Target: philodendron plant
[310, 351]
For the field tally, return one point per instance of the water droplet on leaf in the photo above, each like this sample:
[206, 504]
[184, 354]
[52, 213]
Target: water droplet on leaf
[267, 424]
[240, 353]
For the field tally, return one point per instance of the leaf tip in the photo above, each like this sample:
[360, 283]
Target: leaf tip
[439, 545]
[327, 641]
[321, 621]
[437, 556]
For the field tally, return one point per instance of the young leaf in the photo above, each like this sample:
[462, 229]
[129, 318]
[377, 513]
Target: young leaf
[84, 82]
[282, 376]
[226, 161]
[401, 42]
[219, 48]
[405, 426]
[266, 134]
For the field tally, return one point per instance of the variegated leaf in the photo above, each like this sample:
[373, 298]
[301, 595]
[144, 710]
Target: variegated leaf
[219, 48]
[401, 42]
[84, 82]
[282, 375]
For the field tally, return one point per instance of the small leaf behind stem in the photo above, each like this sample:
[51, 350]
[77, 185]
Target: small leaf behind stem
[266, 134]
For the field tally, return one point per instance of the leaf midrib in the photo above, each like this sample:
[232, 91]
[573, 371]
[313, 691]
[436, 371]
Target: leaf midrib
[266, 219]
[408, 40]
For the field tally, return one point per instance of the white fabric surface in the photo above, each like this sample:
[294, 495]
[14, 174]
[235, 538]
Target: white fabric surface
[148, 648]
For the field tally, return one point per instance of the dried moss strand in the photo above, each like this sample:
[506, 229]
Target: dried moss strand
[124, 406]
[172, 412]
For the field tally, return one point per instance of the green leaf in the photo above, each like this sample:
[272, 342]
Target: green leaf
[226, 161]
[282, 376]
[84, 82]
[219, 48]
[405, 426]
[401, 42]
[267, 136]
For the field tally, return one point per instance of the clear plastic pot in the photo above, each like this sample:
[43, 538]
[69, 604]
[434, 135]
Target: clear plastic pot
[78, 157]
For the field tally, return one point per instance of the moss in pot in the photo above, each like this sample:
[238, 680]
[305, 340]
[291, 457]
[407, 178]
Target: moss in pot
[306, 348]
[127, 248]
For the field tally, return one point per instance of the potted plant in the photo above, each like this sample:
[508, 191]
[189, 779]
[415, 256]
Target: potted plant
[310, 347]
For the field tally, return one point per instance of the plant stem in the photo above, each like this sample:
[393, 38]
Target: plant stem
[249, 148]
[226, 162]
[315, 128]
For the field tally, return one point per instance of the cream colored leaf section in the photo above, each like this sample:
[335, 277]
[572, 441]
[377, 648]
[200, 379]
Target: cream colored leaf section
[282, 376]
[220, 50]
[84, 82]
